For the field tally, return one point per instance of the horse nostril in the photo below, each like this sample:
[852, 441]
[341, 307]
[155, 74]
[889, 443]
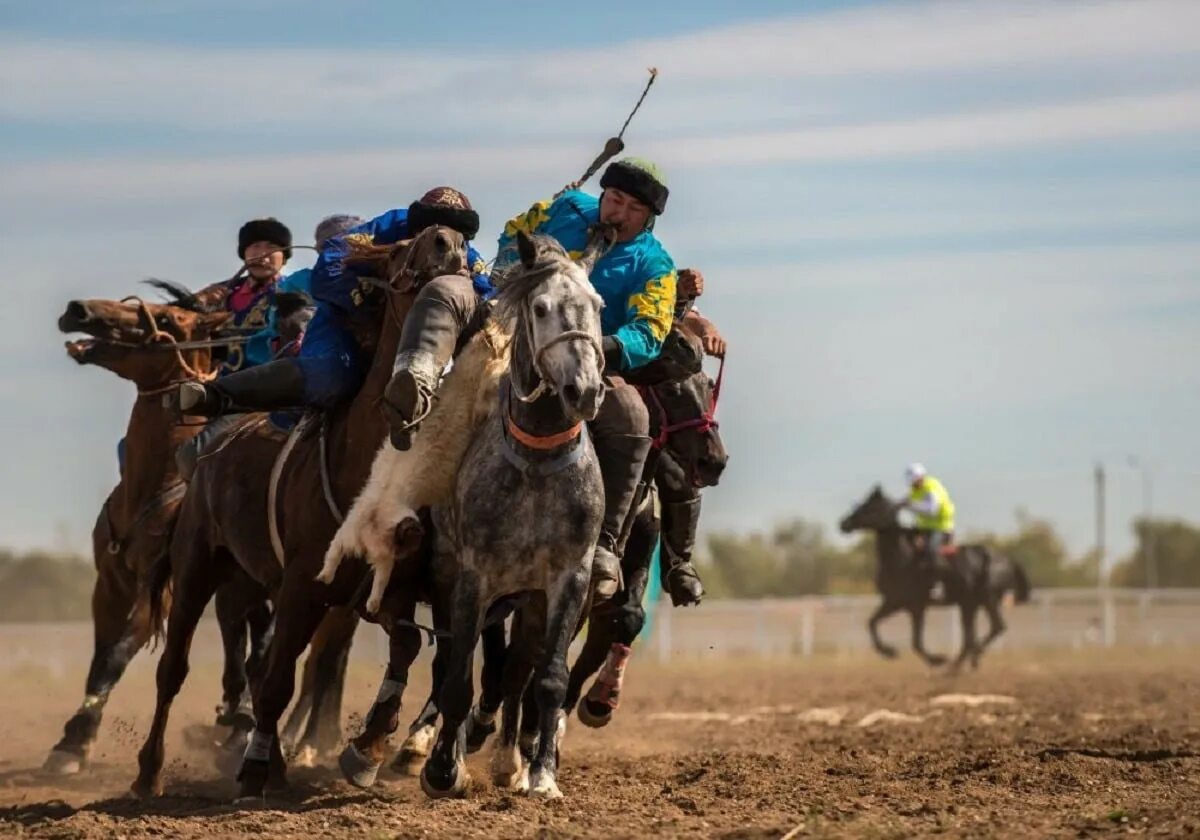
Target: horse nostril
[77, 311]
[572, 393]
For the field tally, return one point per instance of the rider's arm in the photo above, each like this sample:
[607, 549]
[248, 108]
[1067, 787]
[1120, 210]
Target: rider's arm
[649, 313]
[704, 329]
[927, 504]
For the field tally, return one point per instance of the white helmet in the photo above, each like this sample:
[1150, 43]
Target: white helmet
[914, 472]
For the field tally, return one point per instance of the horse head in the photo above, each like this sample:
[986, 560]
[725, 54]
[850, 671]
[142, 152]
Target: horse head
[556, 317]
[874, 513]
[139, 340]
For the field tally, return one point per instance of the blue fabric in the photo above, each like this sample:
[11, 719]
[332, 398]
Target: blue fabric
[636, 279]
[332, 283]
[330, 360]
[259, 347]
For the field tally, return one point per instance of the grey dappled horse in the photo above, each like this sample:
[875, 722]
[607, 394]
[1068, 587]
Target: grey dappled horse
[525, 517]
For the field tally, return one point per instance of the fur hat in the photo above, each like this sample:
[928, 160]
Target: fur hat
[641, 179]
[270, 230]
[443, 206]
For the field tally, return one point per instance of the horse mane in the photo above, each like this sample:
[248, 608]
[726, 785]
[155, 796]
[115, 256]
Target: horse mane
[365, 257]
[178, 295]
[516, 282]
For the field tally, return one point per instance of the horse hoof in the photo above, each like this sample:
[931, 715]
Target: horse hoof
[888, 653]
[590, 715]
[358, 769]
[253, 778]
[479, 729]
[935, 661]
[457, 788]
[146, 789]
[63, 763]
[543, 786]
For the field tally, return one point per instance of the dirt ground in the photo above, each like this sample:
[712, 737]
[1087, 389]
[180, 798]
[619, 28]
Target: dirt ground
[1066, 745]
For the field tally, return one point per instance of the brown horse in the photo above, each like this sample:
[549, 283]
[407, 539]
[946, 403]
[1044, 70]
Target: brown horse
[226, 523]
[155, 346]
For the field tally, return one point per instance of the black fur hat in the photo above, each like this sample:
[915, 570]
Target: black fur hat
[641, 179]
[265, 230]
[443, 206]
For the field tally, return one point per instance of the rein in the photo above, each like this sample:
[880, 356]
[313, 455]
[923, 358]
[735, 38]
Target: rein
[706, 422]
[160, 339]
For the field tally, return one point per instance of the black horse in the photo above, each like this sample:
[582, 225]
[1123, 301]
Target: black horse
[973, 577]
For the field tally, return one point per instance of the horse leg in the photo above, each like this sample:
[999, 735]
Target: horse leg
[881, 612]
[297, 615]
[491, 685]
[413, 752]
[996, 628]
[198, 573]
[918, 638]
[120, 631]
[618, 630]
[969, 645]
[510, 767]
[564, 604]
[322, 686]
[600, 636]
[363, 756]
[236, 706]
[445, 771]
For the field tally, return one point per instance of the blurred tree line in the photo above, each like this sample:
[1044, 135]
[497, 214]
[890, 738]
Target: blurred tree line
[44, 586]
[796, 558]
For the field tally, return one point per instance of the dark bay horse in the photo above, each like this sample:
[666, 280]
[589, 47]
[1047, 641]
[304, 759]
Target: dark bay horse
[688, 449]
[975, 577]
[155, 346]
[226, 523]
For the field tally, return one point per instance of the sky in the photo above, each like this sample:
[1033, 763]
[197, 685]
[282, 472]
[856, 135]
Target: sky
[965, 233]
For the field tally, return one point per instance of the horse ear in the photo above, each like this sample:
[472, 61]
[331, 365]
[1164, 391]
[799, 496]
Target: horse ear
[527, 248]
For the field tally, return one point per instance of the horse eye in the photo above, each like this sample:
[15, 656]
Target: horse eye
[540, 309]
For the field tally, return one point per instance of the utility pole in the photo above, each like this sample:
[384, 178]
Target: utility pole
[1107, 611]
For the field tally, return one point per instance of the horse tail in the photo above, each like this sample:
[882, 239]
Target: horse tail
[1022, 587]
[158, 593]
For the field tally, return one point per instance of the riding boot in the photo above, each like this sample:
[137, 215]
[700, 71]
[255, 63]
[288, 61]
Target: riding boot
[408, 398]
[268, 387]
[446, 310]
[679, 576]
[622, 458]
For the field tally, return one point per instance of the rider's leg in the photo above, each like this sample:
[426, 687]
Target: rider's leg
[621, 435]
[327, 371]
[190, 451]
[445, 313]
[680, 515]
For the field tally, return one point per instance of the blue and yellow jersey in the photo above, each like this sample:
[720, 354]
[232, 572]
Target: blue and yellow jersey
[636, 279]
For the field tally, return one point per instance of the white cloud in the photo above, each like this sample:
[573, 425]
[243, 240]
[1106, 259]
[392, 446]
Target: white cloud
[205, 87]
[120, 180]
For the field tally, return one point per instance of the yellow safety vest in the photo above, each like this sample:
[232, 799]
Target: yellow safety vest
[943, 519]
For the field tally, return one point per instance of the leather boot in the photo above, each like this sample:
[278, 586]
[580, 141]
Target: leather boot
[679, 576]
[272, 386]
[622, 459]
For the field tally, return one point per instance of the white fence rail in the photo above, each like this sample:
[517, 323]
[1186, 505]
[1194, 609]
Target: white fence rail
[1054, 618]
[798, 627]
